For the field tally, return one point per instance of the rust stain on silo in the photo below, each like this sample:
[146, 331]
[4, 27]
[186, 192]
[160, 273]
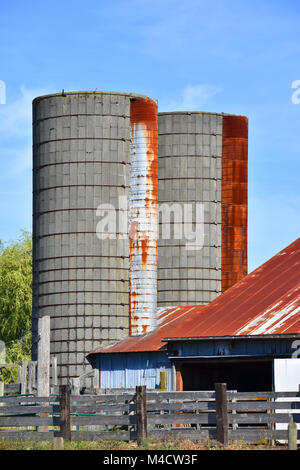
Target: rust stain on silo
[143, 215]
[234, 199]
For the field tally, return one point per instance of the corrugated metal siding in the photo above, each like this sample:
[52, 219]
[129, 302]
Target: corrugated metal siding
[234, 199]
[143, 216]
[130, 370]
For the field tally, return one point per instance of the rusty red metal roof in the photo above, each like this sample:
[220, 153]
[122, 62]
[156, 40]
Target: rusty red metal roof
[168, 320]
[265, 302]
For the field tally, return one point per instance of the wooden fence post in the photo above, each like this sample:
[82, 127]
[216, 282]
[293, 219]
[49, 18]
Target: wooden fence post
[24, 377]
[30, 384]
[54, 371]
[43, 365]
[141, 413]
[292, 436]
[221, 413]
[58, 443]
[19, 374]
[64, 401]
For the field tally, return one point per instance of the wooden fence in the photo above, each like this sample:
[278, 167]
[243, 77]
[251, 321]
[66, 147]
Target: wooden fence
[218, 414]
[27, 377]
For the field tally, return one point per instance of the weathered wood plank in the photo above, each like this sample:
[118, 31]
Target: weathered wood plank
[262, 418]
[185, 406]
[103, 408]
[26, 435]
[259, 434]
[27, 409]
[183, 433]
[12, 388]
[26, 399]
[117, 391]
[192, 406]
[152, 396]
[103, 419]
[266, 395]
[264, 405]
[181, 395]
[109, 435]
[15, 421]
[102, 399]
[182, 418]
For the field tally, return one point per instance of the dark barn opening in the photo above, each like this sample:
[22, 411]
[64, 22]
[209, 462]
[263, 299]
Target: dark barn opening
[246, 376]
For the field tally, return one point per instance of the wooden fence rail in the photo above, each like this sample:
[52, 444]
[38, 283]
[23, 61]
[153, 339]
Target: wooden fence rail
[219, 414]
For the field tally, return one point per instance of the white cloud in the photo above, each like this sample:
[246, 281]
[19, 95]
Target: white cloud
[193, 98]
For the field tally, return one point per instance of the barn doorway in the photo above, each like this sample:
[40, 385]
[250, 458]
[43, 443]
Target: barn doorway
[243, 376]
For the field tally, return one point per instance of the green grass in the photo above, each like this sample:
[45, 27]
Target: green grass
[121, 445]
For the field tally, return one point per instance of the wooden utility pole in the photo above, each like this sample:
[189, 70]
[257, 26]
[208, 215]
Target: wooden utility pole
[221, 413]
[141, 414]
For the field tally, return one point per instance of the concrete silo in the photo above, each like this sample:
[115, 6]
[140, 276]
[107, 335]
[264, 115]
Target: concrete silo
[81, 197]
[202, 161]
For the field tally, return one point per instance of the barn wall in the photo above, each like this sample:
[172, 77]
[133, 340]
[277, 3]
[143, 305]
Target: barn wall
[226, 347]
[132, 369]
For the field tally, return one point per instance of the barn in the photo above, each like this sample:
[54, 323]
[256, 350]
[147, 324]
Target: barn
[248, 337]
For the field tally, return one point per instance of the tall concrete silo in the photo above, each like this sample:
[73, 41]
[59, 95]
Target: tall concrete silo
[202, 163]
[81, 198]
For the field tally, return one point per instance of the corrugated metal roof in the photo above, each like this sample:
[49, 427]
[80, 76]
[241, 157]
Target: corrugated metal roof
[265, 302]
[168, 319]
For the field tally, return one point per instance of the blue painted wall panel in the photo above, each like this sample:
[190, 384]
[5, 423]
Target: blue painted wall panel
[132, 369]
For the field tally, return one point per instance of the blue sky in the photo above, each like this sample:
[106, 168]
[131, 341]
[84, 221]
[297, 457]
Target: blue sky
[229, 56]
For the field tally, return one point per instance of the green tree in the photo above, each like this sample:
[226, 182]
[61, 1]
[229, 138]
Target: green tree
[16, 289]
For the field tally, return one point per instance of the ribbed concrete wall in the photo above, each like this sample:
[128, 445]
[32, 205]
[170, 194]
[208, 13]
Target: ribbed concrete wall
[81, 147]
[189, 172]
